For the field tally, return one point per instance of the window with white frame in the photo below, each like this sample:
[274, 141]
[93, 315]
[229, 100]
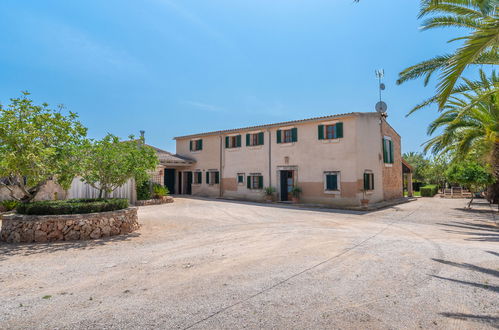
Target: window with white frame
[240, 178]
[196, 145]
[330, 131]
[212, 177]
[197, 177]
[331, 181]
[254, 139]
[387, 150]
[232, 141]
[255, 181]
[368, 181]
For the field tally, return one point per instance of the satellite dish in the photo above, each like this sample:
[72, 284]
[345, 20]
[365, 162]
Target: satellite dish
[381, 107]
[382, 86]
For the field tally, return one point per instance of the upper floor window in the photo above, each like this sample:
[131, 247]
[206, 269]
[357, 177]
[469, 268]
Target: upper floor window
[330, 131]
[287, 135]
[254, 139]
[233, 141]
[387, 150]
[196, 145]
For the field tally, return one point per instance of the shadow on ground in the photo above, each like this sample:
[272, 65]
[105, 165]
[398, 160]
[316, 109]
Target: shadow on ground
[479, 231]
[486, 319]
[27, 249]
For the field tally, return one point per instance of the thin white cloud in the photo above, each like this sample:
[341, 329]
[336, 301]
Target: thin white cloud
[204, 106]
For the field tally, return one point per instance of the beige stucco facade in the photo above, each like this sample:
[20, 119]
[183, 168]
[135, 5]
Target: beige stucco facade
[305, 162]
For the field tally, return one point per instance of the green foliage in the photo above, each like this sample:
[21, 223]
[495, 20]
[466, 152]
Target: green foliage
[296, 191]
[38, 144]
[268, 191]
[110, 163]
[420, 165]
[478, 47]
[9, 205]
[159, 191]
[428, 190]
[470, 174]
[143, 190]
[72, 206]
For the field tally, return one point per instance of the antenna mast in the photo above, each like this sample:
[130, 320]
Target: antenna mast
[381, 106]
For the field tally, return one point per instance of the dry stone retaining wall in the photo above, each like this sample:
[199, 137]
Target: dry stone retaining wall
[157, 201]
[19, 228]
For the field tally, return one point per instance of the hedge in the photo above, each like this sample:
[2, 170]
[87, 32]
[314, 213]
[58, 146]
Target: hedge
[429, 190]
[72, 206]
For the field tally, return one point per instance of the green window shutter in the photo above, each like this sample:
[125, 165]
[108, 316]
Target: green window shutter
[321, 132]
[247, 139]
[208, 177]
[279, 140]
[366, 181]
[384, 150]
[190, 145]
[331, 182]
[260, 139]
[200, 144]
[372, 181]
[338, 130]
[294, 134]
[217, 177]
[200, 177]
[260, 182]
[248, 182]
[390, 144]
[226, 142]
[238, 140]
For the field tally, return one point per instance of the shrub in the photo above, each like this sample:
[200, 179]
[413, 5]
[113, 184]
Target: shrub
[144, 191]
[429, 190]
[9, 205]
[159, 191]
[72, 206]
[269, 190]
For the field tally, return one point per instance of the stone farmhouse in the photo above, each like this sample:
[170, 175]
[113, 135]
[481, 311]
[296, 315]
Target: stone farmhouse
[337, 160]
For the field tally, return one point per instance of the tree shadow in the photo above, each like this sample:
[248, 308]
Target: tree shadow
[469, 267]
[489, 320]
[493, 253]
[492, 288]
[484, 232]
[27, 249]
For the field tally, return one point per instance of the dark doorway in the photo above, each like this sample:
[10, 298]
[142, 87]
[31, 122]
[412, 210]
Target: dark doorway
[170, 179]
[180, 182]
[287, 183]
[188, 186]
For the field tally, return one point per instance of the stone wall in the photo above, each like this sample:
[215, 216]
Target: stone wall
[392, 173]
[19, 228]
[156, 201]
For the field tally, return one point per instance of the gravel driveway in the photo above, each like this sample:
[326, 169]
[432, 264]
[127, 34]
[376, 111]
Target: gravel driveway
[206, 264]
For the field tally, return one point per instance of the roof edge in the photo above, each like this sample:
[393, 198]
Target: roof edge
[220, 132]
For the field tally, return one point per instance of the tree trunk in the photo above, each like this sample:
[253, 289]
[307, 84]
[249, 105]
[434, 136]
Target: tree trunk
[493, 190]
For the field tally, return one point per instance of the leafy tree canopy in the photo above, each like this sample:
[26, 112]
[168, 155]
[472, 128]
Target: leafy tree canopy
[110, 163]
[38, 144]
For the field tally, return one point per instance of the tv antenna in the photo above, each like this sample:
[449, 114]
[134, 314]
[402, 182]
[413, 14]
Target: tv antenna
[381, 106]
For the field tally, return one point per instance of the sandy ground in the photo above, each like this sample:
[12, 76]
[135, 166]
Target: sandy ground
[206, 264]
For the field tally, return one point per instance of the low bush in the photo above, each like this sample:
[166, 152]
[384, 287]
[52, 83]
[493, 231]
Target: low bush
[9, 205]
[159, 191]
[72, 206]
[144, 191]
[429, 190]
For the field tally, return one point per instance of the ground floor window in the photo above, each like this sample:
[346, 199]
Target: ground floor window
[368, 181]
[212, 177]
[197, 177]
[332, 181]
[255, 181]
[240, 178]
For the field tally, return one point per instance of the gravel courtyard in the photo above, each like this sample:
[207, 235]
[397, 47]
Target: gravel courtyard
[209, 264]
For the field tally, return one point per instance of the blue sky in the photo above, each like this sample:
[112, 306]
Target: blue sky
[179, 67]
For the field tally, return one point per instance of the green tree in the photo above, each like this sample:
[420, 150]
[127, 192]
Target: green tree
[110, 163]
[471, 175]
[419, 165]
[479, 46]
[435, 173]
[38, 144]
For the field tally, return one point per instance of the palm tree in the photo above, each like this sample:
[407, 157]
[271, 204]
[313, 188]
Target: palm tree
[480, 47]
[470, 127]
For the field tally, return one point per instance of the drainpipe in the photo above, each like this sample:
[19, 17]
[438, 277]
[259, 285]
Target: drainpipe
[270, 157]
[220, 183]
